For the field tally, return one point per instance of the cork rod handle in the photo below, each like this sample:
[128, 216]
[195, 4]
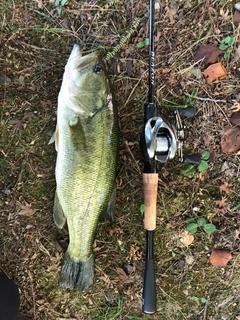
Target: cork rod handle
[150, 187]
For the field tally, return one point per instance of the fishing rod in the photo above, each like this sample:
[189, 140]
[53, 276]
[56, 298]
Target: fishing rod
[159, 142]
[150, 183]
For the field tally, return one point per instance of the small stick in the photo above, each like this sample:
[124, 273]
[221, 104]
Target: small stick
[33, 295]
[205, 99]
[205, 310]
[212, 100]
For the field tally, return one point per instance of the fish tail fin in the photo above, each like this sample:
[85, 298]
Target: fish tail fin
[76, 273]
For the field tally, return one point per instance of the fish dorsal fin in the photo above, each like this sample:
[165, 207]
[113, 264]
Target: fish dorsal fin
[54, 138]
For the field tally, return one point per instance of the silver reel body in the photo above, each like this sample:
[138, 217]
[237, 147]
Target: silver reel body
[163, 141]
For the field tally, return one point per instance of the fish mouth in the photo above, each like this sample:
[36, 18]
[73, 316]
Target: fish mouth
[76, 60]
[76, 53]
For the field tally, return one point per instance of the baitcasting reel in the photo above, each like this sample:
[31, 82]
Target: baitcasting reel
[161, 141]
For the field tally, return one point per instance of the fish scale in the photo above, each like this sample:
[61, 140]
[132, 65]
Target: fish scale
[86, 139]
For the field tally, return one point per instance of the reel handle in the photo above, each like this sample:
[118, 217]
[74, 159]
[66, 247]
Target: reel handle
[192, 158]
[188, 112]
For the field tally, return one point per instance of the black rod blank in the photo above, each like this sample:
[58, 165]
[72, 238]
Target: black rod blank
[149, 288]
[151, 52]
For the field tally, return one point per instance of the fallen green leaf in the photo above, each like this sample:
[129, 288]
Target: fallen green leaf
[140, 45]
[192, 227]
[143, 44]
[203, 300]
[205, 155]
[190, 220]
[209, 228]
[201, 222]
[223, 46]
[203, 166]
[59, 10]
[236, 208]
[142, 208]
[194, 298]
[189, 170]
[226, 43]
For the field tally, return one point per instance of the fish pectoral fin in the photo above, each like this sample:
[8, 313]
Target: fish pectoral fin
[73, 120]
[54, 138]
[58, 214]
[109, 213]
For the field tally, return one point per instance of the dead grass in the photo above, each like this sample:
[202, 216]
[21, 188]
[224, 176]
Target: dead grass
[35, 43]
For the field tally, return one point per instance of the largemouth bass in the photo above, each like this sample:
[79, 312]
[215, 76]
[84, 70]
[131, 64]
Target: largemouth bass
[86, 140]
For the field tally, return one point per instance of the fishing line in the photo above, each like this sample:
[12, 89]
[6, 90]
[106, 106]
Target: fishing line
[134, 26]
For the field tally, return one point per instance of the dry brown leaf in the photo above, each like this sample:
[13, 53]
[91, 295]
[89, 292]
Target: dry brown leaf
[189, 259]
[115, 230]
[222, 206]
[228, 170]
[223, 211]
[236, 54]
[121, 275]
[208, 53]
[186, 238]
[236, 18]
[164, 172]
[206, 140]
[220, 257]
[171, 12]
[221, 203]
[214, 72]
[225, 187]
[235, 118]
[235, 107]
[230, 141]
[225, 14]
[40, 4]
[26, 209]
[106, 279]
[212, 156]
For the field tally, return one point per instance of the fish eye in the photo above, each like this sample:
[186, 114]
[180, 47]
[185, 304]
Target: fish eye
[97, 68]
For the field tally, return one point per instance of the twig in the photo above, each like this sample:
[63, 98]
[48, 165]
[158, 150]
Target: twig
[205, 99]
[211, 100]
[3, 153]
[138, 169]
[133, 89]
[205, 310]
[33, 295]
[166, 294]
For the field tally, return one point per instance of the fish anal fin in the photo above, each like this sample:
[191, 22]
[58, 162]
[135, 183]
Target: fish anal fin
[58, 214]
[109, 213]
